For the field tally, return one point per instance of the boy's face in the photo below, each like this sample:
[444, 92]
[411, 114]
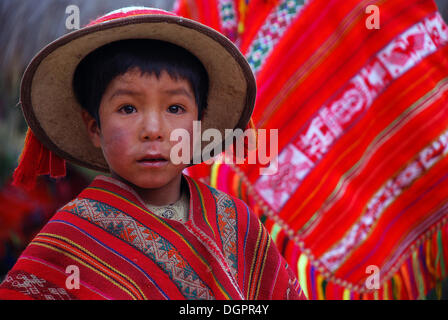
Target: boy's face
[137, 114]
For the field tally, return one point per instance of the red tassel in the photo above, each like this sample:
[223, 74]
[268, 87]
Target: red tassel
[34, 161]
[57, 166]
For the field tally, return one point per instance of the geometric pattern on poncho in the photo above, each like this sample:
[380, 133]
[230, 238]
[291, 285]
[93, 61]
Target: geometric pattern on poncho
[34, 286]
[150, 243]
[228, 228]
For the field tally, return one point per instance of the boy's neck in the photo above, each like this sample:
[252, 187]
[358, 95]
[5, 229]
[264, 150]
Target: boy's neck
[164, 195]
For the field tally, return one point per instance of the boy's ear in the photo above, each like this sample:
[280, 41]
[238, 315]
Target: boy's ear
[92, 128]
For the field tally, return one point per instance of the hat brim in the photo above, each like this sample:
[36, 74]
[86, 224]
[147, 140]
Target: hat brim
[54, 115]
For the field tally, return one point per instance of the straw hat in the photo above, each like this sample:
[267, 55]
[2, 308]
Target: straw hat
[54, 115]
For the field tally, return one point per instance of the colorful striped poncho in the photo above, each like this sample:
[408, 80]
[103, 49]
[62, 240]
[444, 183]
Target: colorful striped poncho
[359, 205]
[120, 250]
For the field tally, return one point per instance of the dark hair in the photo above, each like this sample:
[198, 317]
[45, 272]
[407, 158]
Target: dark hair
[100, 67]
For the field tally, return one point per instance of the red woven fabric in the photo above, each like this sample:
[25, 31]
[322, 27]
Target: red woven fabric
[124, 251]
[363, 137]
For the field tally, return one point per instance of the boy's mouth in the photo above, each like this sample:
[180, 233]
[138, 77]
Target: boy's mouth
[153, 160]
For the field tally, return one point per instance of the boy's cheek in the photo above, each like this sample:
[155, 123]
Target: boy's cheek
[115, 143]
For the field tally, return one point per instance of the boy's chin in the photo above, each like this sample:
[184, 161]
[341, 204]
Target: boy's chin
[151, 181]
[151, 185]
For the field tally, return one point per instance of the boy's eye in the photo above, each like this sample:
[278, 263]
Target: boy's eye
[175, 108]
[127, 109]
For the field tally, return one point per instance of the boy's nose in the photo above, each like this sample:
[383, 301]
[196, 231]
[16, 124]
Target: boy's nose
[152, 127]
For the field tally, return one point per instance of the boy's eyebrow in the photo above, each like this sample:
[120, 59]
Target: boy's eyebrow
[179, 91]
[122, 92]
[176, 91]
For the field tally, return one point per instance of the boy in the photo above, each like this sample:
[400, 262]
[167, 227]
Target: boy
[147, 231]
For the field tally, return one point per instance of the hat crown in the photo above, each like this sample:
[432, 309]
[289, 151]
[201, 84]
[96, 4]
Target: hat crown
[128, 12]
